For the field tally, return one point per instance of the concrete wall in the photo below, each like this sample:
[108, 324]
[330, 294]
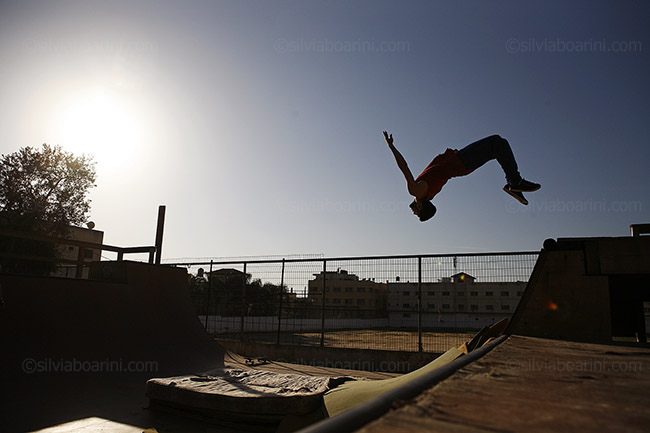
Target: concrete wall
[395, 320]
[270, 324]
[445, 321]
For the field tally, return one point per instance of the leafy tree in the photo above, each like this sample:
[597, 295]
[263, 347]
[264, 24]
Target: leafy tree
[42, 191]
[198, 288]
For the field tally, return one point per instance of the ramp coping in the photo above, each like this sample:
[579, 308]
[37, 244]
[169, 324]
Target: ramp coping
[361, 415]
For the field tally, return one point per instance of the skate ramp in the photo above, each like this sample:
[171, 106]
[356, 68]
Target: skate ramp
[77, 349]
[587, 289]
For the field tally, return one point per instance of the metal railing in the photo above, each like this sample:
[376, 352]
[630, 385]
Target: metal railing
[22, 259]
[407, 303]
[80, 262]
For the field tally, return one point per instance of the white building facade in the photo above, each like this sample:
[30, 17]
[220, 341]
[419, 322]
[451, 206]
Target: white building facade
[458, 302]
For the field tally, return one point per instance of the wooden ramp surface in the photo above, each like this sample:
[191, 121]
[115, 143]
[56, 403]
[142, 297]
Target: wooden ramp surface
[529, 384]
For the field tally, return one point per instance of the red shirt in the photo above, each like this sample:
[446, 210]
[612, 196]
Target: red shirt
[440, 170]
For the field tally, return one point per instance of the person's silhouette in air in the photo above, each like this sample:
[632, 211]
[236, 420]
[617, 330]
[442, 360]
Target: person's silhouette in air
[455, 163]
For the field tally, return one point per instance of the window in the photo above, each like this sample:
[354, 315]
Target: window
[473, 307]
[406, 293]
[406, 315]
[337, 289]
[461, 293]
[337, 300]
[406, 306]
[431, 293]
[445, 306]
[89, 254]
[504, 293]
[520, 293]
[361, 289]
[445, 293]
[348, 289]
[489, 307]
[473, 293]
[348, 301]
[488, 293]
[361, 301]
[505, 308]
[461, 307]
[431, 306]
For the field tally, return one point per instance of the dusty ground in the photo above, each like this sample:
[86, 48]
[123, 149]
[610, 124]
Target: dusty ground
[363, 339]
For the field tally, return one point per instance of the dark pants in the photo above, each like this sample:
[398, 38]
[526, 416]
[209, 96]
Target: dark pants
[493, 147]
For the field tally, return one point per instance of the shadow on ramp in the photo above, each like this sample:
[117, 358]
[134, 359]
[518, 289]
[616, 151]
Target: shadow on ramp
[79, 349]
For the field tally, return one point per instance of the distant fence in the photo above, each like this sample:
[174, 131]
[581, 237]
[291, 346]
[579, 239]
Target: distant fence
[407, 303]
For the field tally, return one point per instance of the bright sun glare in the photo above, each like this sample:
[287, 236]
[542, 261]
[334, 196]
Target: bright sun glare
[102, 124]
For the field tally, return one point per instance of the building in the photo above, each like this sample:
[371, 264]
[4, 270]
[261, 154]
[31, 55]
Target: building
[224, 275]
[458, 302]
[71, 252]
[347, 296]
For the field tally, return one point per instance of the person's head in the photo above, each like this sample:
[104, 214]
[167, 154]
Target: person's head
[423, 209]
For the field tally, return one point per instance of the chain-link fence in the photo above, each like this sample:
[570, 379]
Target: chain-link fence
[407, 303]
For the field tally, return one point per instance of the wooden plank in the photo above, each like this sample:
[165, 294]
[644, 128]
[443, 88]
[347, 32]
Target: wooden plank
[535, 385]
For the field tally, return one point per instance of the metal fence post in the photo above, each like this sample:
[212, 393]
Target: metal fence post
[243, 304]
[207, 307]
[420, 304]
[322, 308]
[280, 302]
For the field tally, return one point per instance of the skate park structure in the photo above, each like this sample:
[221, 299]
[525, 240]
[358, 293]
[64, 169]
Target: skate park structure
[587, 289]
[77, 355]
[83, 349]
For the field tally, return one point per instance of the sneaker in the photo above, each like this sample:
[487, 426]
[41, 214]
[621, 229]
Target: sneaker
[518, 195]
[525, 186]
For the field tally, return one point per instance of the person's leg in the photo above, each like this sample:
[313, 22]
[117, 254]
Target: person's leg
[493, 147]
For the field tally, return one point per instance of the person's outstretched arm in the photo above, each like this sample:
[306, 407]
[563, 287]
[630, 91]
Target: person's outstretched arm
[416, 189]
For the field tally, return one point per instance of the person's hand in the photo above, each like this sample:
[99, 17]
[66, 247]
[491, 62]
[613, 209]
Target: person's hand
[388, 138]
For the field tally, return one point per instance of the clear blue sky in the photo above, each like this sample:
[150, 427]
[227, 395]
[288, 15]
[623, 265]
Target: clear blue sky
[258, 123]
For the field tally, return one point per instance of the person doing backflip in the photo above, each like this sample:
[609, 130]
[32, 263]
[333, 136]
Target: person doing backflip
[456, 163]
